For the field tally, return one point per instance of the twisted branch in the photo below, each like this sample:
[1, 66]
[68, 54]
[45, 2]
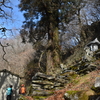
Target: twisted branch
[3, 48]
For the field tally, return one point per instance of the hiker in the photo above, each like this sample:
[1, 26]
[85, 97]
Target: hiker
[9, 92]
[22, 90]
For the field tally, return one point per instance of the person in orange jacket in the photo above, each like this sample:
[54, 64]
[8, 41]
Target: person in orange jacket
[22, 90]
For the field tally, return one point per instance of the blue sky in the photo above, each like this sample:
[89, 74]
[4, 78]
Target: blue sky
[15, 22]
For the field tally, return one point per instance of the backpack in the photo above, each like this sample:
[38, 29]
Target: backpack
[22, 90]
[9, 91]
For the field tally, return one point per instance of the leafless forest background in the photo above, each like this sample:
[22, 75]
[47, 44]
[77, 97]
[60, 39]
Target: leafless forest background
[16, 56]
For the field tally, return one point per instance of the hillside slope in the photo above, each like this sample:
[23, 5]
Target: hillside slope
[80, 83]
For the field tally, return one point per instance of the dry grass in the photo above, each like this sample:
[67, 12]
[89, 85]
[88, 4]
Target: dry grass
[84, 84]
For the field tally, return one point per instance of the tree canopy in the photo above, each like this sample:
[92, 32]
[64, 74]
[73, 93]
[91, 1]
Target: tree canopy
[43, 16]
[46, 18]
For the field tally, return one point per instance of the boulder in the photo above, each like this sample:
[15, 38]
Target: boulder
[97, 82]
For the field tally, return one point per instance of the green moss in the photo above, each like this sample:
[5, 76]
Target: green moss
[22, 98]
[30, 90]
[62, 74]
[83, 96]
[75, 81]
[82, 64]
[83, 72]
[74, 67]
[73, 75]
[51, 91]
[96, 89]
[39, 97]
[72, 92]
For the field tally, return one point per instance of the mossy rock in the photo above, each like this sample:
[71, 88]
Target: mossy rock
[69, 95]
[39, 97]
[22, 98]
[73, 67]
[30, 90]
[96, 89]
[42, 93]
[79, 95]
[73, 75]
[83, 96]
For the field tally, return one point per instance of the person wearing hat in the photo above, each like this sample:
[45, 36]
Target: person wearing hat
[22, 89]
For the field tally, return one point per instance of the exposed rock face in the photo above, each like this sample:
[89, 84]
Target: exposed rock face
[97, 82]
[71, 97]
[41, 81]
[42, 93]
[88, 54]
[80, 95]
[7, 78]
[41, 75]
[96, 87]
[90, 48]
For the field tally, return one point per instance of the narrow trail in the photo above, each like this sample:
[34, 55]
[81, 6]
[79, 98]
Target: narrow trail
[58, 95]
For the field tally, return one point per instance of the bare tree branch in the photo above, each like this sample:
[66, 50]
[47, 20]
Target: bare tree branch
[3, 30]
[3, 5]
[3, 48]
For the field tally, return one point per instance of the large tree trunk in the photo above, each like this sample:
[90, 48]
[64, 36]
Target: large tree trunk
[83, 36]
[53, 54]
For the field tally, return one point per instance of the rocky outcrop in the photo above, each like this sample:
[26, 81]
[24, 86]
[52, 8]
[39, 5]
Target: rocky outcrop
[83, 67]
[79, 95]
[6, 79]
[97, 82]
[44, 85]
[96, 87]
[42, 81]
